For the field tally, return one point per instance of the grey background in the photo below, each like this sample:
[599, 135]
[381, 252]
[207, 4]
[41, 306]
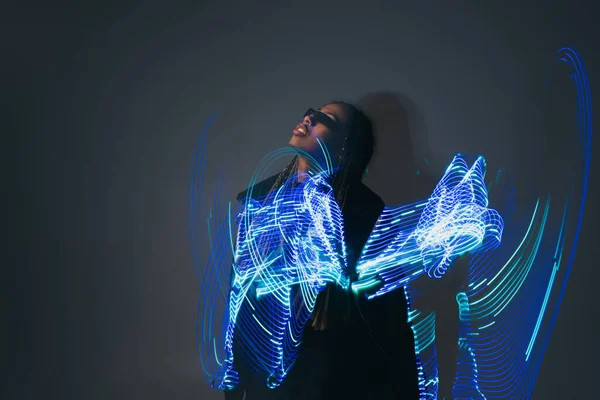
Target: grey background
[105, 103]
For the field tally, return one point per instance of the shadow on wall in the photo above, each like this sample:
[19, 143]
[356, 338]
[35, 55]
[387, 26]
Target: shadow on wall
[399, 171]
[401, 174]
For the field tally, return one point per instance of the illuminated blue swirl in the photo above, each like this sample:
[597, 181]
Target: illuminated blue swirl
[510, 300]
[289, 247]
[291, 244]
[426, 236]
[456, 219]
[514, 292]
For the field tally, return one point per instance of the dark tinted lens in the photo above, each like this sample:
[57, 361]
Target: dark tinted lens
[321, 118]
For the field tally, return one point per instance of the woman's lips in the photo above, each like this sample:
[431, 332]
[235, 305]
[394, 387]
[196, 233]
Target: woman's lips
[300, 130]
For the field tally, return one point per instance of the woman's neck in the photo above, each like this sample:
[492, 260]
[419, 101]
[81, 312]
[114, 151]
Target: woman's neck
[303, 167]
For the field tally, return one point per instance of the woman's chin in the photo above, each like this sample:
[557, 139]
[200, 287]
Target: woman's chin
[296, 142]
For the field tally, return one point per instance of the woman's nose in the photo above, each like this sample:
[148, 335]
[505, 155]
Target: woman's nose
[308, 120]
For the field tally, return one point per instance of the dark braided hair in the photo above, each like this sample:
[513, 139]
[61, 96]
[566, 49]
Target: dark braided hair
[360, 141]
[357, 152]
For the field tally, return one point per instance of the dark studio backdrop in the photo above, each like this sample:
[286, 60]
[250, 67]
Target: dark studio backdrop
[107, 101]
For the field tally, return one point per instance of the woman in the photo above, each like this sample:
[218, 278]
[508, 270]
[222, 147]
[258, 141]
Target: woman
[352, 349]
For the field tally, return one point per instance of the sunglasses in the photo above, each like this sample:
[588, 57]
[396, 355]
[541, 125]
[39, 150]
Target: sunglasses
[321, 118]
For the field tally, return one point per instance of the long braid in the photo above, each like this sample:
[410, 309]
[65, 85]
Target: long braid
[290, 169]
[356, 153]
[354, 157]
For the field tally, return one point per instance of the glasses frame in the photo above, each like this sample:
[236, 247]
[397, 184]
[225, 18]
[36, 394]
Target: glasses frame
[322, 118]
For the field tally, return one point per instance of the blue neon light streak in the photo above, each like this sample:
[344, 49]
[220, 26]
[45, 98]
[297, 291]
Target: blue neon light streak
[290, 245]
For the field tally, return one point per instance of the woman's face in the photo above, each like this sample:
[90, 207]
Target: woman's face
[331, 132]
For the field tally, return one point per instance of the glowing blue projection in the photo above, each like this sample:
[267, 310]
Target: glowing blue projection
[426, 236]
[515, 291]
[262, 262]
[289, 246]
[510, 300]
